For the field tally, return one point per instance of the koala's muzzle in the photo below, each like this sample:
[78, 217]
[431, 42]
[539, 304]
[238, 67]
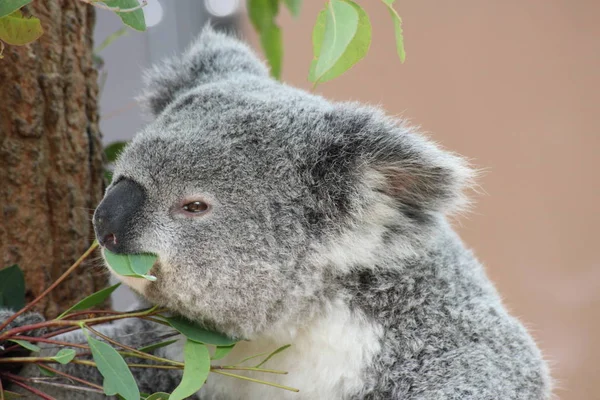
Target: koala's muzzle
[114, 219]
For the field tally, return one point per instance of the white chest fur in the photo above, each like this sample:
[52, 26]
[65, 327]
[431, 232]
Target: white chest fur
[326, 360]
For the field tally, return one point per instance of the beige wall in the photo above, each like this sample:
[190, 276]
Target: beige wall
[513, 85]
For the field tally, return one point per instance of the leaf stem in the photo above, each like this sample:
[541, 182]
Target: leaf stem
[71, 377]
[19, 382]
[133, 351]
[51, 287]
[291, 389]
[235, 368]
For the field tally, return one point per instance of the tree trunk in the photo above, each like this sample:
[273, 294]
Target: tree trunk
[51, 153]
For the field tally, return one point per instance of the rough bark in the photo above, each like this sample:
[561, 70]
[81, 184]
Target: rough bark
[50, 153]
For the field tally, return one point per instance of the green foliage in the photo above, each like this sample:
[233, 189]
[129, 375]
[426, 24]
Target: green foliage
[10, 6]
[293, 6]
[154, 346]
[279, 350]
[12, 288]
[44, 371]
[341, 37]
[136, 265]
[158, 396]
[8, 395]
[118, 379]
[134, 19]
[27, 345]
[198, 334]
[64, 356]
[195, 372]
[222, 351]
[18, 30]
[113, 150]
[397, 29]
[109, 40]
[91, 300]
[262, 14]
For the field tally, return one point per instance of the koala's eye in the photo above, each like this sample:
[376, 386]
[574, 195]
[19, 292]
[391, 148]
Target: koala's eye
[196, 207]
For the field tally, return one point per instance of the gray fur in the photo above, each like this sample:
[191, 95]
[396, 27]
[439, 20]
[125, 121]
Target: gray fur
[315, 203]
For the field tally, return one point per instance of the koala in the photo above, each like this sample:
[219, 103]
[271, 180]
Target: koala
[279, 217]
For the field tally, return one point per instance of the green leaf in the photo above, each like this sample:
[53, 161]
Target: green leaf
[341, 23]
[397, 29]
[8, 395]
[355, 49]
[195, 371]
[108, 176]
[154, 346]
[262, 14]
[18, 30]
[10, 6]
[117, 376]
[272, 44]
[44, 371]
[134, 19]
[111, 38]
[64, 356]
[91, 300]
[293, 6]
[194, 332]
[27, 345]
[158, 396]
[12, 287]
[113, 150]
[222, 351]
[136, 265]
[279, 350]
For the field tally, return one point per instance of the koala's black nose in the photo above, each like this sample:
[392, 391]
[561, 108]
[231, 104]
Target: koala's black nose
[114, 219]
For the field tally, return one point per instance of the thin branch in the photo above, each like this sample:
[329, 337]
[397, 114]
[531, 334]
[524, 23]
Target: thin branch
[71, 377]
[234, 368]
[15, 379]
[51, 287]
[291, 389]
[95, 3]
[43, 340]
[66, 386]
[135, 352]
[1, 390]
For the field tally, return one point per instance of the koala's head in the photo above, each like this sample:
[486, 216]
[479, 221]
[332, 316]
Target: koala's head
[254, 194]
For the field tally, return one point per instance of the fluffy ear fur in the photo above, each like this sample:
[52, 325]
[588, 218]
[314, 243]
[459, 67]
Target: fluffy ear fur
[212, 57]
[401, 163]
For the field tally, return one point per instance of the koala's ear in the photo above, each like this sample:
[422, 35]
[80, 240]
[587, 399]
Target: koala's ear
[211, 57]
[402, 164]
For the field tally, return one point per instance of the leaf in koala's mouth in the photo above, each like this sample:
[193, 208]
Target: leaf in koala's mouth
[135, 265]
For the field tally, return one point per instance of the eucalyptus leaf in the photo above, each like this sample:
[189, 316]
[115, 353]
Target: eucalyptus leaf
[12, 287]
[355, 50]
[27, 345]
[222, 351]
[136, 265]
[8, 395]
[113, 150]
[154, 346]
[262, 15]
[293, 6]
[64, 356]
[272, 44]
[279, 350]
[91, 300]
[158, 396]
[10, 6]
[397, 29]
[105, 43]
[134, 19]
[195, 371]
[44, 371]
[19, 30]
[198, 334]
[118, 379]
[341, 24]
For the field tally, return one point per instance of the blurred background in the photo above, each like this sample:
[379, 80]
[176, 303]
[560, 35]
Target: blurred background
[512, 85]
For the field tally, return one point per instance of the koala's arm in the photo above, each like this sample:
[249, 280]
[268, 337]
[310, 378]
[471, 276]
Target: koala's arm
[131, 332]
